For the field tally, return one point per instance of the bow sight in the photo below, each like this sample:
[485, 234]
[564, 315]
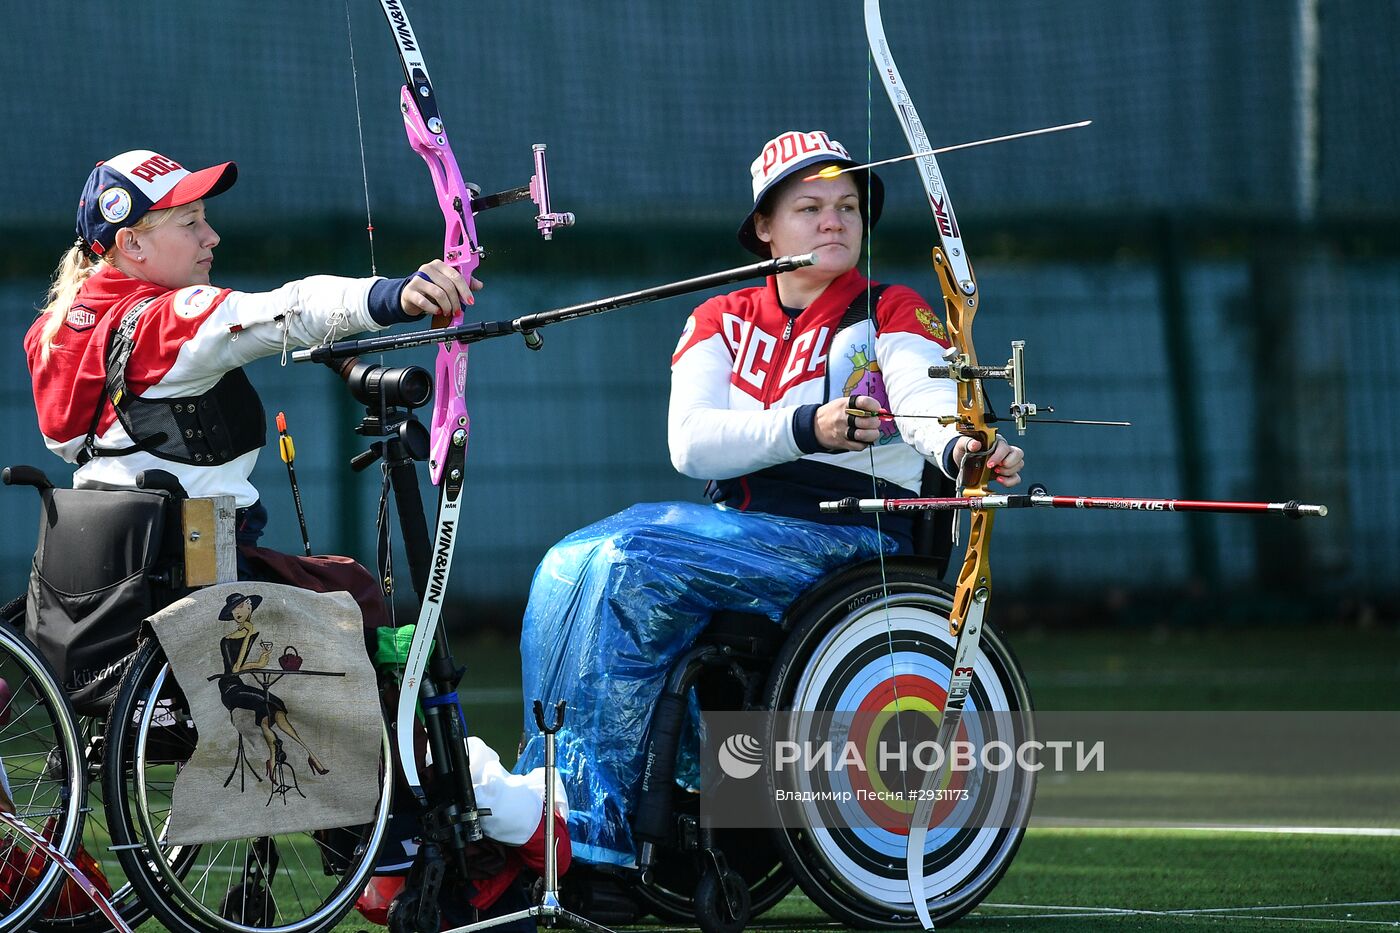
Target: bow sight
[959, 369]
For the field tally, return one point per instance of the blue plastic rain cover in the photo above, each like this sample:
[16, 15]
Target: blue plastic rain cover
[614, 605]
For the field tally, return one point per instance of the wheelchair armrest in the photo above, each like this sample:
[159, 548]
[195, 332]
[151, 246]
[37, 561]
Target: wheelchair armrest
[26, 476]
[161, 481]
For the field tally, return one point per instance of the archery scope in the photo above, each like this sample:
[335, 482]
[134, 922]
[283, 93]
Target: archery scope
[378, 386]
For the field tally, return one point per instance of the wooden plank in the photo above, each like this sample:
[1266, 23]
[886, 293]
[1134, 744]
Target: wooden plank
[210, 553]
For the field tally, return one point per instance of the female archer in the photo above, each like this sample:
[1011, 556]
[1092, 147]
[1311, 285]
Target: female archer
[763, 385]
[136, 358]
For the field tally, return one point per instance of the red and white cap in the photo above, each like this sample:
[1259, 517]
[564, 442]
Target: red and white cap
[126, 187]
[793, 151]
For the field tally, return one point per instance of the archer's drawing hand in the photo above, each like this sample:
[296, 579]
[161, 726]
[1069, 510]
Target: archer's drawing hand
[836, 430]
[1005, 462]
[438, 289]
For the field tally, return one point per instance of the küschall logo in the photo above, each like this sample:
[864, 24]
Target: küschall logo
[740, 756]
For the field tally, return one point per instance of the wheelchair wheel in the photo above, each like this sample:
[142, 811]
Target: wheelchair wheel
[859, 647]
[672, 889]
[290, 883]
[41, 776]
[96, 841]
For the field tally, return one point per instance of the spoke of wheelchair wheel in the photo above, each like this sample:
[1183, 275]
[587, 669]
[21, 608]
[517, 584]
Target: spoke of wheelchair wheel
[29, 855]
[202, 878]
[292, 879]
[36, 730]
[235, 875]
[31, 689]
[30, 804]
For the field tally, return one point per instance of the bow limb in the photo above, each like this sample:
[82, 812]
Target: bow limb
[960, 299]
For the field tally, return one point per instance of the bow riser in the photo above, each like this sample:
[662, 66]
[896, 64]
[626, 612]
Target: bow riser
[454, 197]
[960, 307]
[459, 250]
[976, 574]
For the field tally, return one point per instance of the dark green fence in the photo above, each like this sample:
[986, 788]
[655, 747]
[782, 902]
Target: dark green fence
[1215, 259]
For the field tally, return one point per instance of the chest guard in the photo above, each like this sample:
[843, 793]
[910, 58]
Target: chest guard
[208, 429]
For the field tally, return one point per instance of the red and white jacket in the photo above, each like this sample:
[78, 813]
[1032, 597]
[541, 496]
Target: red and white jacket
[747, 378]
[185, 342]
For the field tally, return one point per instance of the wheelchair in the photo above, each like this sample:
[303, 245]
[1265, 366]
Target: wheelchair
[294, 883]
[832, 651]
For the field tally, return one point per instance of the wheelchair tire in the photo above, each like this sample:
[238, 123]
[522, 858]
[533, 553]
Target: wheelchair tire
[97, 842]
[44, 774]
[86, 918]
[192, 888]
[722, 902]
[854, 645]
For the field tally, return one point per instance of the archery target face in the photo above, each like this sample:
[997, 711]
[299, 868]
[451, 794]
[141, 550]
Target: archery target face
[884, 670]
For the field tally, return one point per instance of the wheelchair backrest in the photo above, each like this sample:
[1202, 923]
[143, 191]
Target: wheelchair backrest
[105, 560]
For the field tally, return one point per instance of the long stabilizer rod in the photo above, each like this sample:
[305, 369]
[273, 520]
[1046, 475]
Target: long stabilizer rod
[526, 325]
[1038, 498]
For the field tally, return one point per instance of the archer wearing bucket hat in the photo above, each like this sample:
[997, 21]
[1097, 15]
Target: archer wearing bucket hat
[137, 357]
[794, 151]
[761, 382]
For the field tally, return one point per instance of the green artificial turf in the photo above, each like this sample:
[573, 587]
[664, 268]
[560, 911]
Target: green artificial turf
[1133, 879]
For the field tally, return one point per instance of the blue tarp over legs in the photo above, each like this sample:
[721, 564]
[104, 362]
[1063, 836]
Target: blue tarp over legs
[615, 604]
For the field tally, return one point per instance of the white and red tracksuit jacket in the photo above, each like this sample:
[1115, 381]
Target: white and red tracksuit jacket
[748, 377]
[185, 342]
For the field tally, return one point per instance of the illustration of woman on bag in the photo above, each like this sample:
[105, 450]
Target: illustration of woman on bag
[268, 709]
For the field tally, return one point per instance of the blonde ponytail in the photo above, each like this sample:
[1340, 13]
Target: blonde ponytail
[73, 270]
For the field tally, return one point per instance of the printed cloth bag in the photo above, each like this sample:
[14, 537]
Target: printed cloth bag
[285, 701]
